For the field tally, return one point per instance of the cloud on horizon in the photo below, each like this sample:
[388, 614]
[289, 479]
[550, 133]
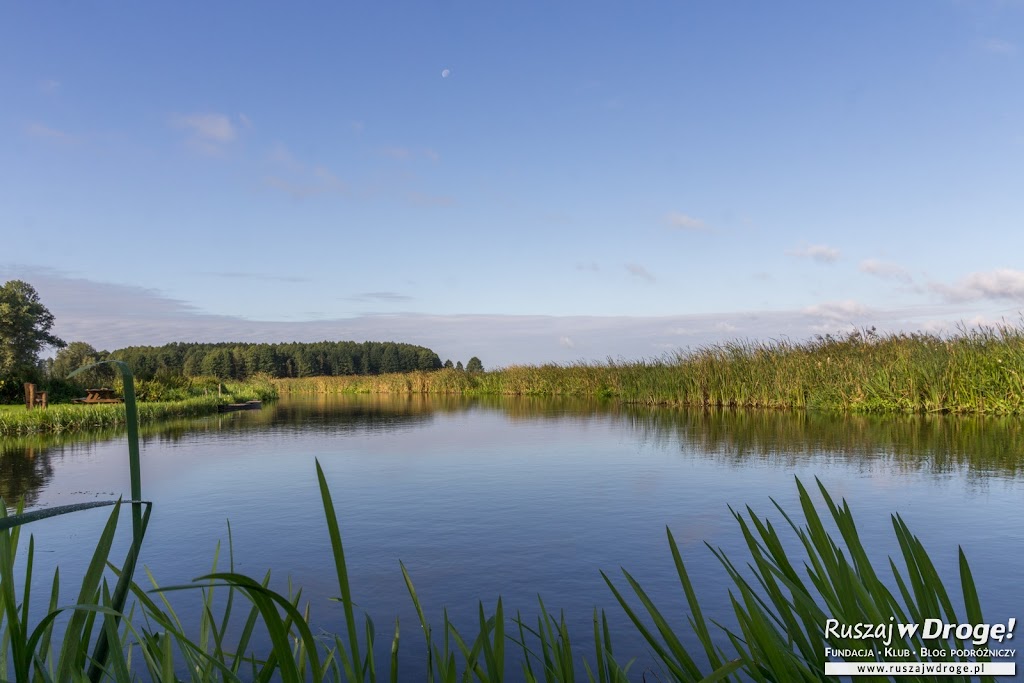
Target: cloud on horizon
[111, 316]
[379, 297]
[1002, 283]
[845, 311]
[236, 275]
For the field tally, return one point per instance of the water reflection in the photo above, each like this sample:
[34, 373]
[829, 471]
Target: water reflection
[980, 446]
[24, 470]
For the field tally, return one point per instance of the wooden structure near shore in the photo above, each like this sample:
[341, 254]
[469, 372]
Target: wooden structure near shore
[231, 407]
[94, 396]
[33, 398]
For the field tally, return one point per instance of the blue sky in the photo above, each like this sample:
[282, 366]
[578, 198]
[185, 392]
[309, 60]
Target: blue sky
[525, 182]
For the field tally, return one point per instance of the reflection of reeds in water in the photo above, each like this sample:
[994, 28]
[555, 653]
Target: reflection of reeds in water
[977, 371]
[939, 443]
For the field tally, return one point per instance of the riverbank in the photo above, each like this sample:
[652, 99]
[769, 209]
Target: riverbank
[973, 372]
[68, 418]
[15, 420]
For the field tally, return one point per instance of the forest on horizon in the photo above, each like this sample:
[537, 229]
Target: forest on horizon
[235, 360]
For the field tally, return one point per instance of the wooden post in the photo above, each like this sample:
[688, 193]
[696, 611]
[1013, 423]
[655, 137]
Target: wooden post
[41, 397]
[30, 395]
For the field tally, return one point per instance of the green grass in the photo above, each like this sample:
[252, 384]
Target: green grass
[68, 418]
[978, 371]
[781, 599]
[201, 398]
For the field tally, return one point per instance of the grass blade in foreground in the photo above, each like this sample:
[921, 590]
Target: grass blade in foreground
[782, 618]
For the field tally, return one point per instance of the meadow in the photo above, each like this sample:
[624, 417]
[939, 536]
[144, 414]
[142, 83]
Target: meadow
[159, 402]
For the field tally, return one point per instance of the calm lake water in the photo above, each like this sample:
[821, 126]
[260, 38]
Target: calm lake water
[520, 497]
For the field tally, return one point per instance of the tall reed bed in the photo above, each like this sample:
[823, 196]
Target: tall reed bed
[975, 371]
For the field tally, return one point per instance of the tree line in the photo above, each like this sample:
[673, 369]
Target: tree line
[25, 331]
[294, 359]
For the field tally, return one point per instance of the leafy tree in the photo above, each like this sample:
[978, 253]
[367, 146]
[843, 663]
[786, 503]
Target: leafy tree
[24, 331]
[458, 366]
[217, 364]
[389, 360]
[427, 360]
[75, 355]
[474, 365]
[448, 364]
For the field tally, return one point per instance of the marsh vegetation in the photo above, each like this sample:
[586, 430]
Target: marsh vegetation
[976, 371]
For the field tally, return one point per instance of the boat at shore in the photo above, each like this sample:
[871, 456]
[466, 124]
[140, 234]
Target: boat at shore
[231, 407]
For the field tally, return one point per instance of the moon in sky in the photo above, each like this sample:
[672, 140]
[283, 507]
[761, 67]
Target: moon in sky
[445, 73]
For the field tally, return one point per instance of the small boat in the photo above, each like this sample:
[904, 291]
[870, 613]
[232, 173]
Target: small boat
[231, 407]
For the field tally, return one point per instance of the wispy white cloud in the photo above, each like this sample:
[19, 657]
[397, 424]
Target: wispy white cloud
[680, 221]
[636, 270]
[817, 252]
[239, 275]
[301, 180]
[589, 265]
[210, 127]
[327, 183]
[1003, 283]
[566, 342]
[48, 86]
[384, 297]
[887, 271]
[1000, 47]
[44, 132]
[423, 199]
[280, 155]
[209, 133]
[847, 310]
[396, 152]
[408, 153]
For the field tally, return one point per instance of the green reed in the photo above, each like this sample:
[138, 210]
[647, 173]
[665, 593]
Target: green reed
[977, 371]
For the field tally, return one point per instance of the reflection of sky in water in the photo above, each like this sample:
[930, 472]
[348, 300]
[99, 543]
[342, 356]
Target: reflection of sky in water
[534, 497]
